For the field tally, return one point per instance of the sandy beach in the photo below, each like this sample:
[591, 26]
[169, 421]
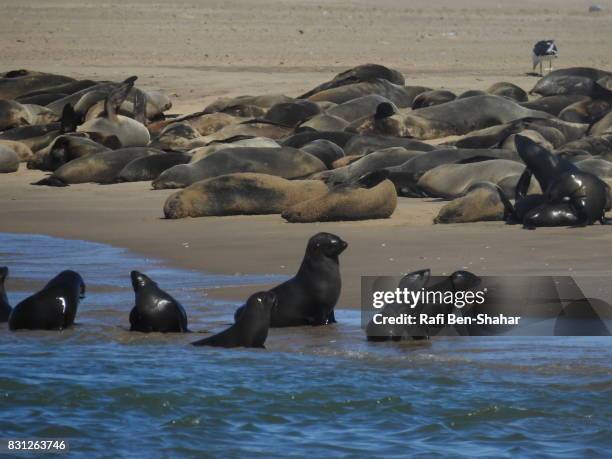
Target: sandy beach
[130, 215]
[198, 51]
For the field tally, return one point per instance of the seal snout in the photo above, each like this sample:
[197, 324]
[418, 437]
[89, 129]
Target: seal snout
[338, 245]
[139, 280]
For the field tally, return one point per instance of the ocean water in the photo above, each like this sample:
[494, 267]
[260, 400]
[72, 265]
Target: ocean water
[319, 392]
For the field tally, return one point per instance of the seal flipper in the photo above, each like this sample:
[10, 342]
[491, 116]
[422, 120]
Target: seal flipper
[371, 179]
[117, 97]
[69, 120]
[51, 181]
[140, 107]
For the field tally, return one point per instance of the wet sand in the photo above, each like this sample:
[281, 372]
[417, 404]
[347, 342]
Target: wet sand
[197, 51]
[130, 215]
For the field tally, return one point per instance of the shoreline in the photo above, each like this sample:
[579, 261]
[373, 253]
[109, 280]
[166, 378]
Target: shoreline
[130, 216]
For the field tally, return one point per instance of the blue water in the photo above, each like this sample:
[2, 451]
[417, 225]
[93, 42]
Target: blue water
[321, 392]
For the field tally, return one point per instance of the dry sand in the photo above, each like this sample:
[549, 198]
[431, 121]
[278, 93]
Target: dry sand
[199, 50]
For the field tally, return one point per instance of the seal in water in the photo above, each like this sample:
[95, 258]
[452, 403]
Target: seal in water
[52, 308]
[310, 296]
[5, 307]
[251, 329]
[155, 310]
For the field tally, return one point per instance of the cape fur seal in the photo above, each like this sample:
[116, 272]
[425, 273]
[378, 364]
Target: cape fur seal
[9, 160]
[369, 163]
[370, 197]
[97, 168]
[130, 132]
[574, 80]
[431, 98]
[285, 162]
[250, 329]
[456, 117]
[509, 90]
[64, 149]
[450, 181]
[365, 72]
[150, 167]
[155, 310]
[39, 136]
[481, 202]
[240, 194]
[326, 151]
[22, 150]
[571, 197]
[16, 83]
[13, 114]
[52, 308]
[309, 297]
[406, 175]
[5, 307]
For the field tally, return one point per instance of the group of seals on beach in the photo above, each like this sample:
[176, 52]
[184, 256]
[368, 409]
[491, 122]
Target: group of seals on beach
[306, 299]
[344, 150]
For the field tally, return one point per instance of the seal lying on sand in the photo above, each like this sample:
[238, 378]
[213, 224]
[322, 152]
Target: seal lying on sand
[326, 151]
[284, 162]
[457, 117]
[431, 98]
[372, 162]
[9, 161]
[251, 328]
[481, 202]
[309, 297]
[571, 197]
[19, 82]
[396, 94]
[509, 90]
[450, 181]
[406, 175]
[64, 149]
[150, 167]
[366, 72]
[155, 310]
[13, 114]
[5, 307]
[130, 132]
[370, 197]
[97, 168]
[575, 80]
[23, 151]
[39, 136]
[52, 308]
[241, 194]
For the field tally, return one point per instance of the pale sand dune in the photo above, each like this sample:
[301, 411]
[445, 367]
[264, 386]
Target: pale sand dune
[199, 50]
